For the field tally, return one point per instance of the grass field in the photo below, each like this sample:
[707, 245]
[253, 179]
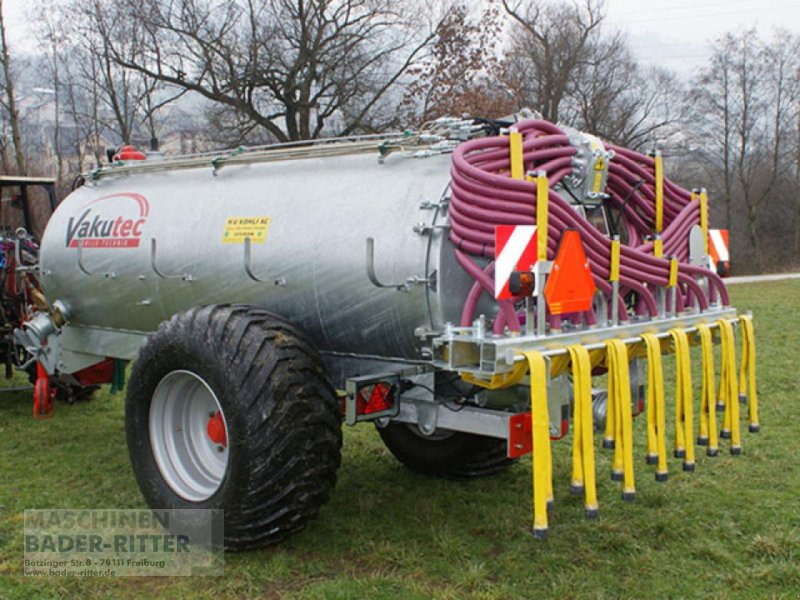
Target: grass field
[731, 529]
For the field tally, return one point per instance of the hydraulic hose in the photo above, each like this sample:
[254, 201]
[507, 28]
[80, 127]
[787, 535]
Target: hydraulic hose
[484, 195]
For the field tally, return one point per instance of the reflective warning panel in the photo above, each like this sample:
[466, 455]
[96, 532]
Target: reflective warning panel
[570, 287]
[515, 250]
[718, 248]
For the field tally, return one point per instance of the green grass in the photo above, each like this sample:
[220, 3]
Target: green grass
[731, 529]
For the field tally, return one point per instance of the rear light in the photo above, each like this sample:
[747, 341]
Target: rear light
[371, 397]
[374, 398]
[521, 283]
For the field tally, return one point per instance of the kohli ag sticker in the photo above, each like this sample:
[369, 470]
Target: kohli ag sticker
[237, 229]
[113, 221]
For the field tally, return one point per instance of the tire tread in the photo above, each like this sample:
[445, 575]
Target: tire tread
[277, 391]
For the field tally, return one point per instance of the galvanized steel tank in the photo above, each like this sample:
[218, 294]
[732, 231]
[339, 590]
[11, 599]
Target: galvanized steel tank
[129, 250]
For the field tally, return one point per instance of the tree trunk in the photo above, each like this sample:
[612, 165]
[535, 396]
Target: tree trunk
[57, 121]
[797, 187]
[13, 115]
[752, 232]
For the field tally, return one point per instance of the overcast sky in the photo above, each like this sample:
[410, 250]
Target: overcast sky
[675, 33]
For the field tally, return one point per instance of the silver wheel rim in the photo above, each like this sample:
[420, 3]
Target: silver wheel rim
[190, 462]
[437, 434]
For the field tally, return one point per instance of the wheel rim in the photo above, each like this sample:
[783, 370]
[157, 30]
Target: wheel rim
[192, 464]
[438, 434]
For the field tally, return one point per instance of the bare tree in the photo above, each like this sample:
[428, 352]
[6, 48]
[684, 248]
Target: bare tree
[459, 76]
[782, 56]
[746, 109]
[549, 43]
[712, 98]
[82, 105]
[615, 98]
[563, 63]
[131, 99]
[51, 44]
[796, 245]
[9, 100]
[292, 67]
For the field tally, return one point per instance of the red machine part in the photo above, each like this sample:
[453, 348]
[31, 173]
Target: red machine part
[129, 153]
[215, 428]
[102, 372]
[520, 439]
[43, 395]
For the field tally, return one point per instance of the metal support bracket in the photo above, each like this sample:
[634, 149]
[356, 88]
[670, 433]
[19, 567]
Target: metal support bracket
[430, 281]
[423, 229]
[248, 266]
[82, 267]
[428, 205]
[157, 271]
[542, 270]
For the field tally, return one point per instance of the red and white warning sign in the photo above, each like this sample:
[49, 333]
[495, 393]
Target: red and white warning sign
[515, 250]
[718, 252]
[718, 246]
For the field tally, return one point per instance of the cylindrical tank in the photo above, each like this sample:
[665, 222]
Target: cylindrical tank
[131, 249]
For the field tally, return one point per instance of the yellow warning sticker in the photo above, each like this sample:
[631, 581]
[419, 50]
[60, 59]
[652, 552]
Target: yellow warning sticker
[600, 165]
[598, 181]
[237, 229]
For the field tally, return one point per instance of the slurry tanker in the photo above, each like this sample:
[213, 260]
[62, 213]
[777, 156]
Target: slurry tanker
[459, 287]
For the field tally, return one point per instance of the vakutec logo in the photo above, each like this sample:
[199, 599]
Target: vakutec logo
[99, 227]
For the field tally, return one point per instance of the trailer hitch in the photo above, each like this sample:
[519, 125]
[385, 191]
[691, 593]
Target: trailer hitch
[40, 336]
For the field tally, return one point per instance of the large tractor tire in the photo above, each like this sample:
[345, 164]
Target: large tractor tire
[229, 407]
[448, 454]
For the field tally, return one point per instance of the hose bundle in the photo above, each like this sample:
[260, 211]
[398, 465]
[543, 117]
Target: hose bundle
[485, 195]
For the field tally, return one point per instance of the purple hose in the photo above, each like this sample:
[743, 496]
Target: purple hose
[484, 196]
